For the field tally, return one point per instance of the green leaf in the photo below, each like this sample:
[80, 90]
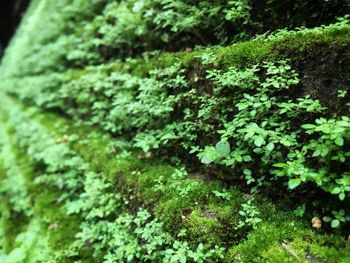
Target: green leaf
[223, 148]
[286, 142]
[327, 219]
[270, 146]
[280, 165]
[259, 140]
[294, 183]
[242, 106]
[209, 155]
[247, 171]
[342, 196]
[339, 141]
[308, 126]
[247, 158]
[16, 255]
[335, 223]
[300, 211]
[336, 190]
[138, 6]
[207, 159]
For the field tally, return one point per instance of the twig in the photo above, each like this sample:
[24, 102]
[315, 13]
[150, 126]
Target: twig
[291, 251]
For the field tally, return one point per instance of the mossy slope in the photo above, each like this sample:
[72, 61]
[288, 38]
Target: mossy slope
[205, 216]
[109, 116]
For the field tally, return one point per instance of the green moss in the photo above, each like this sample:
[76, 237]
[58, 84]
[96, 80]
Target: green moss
[59, 227]
[259, 240]
[276, 254]
[244, 54]
[11, 224]
[208, 212]
[49, 225]
[293, 45]
[266, 241]
[12, 221]
[331, 249]
[204, 227]
[181, 203]
[308, 250]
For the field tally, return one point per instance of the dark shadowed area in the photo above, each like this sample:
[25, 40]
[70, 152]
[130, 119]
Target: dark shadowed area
[10, 15]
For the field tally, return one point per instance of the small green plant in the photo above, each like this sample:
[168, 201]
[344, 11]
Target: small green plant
[222, 194]
[250, 215]
[337, 218]
[300, 210]
[342, 93]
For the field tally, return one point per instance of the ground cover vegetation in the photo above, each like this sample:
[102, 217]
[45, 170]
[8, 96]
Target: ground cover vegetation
[176, 131]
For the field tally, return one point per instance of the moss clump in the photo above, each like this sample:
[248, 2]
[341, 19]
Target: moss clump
[204, 226]
[269, 235]
[59, 228]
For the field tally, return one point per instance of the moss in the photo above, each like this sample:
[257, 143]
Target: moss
[244, 54]
[315, 250]
[291, 45]
[161, 61]
[260, 240]
[276, 254]
[266, 241]
[148, 182]
[294, 45]
[330, 249]
[59, 227]
[203, 226]
[183, 203]
[11, 224]
[49, 224]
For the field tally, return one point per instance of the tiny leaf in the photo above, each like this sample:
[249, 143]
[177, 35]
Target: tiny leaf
[223, 148]
[259, 140]
[294, 183]
[270, 146]
[339, 141]
[335, 223]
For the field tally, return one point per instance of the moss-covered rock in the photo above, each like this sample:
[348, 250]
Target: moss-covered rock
[169, 131]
